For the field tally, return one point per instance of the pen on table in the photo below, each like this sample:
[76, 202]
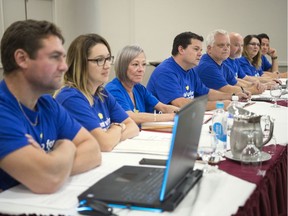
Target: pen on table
[207, 120]
[248, 104]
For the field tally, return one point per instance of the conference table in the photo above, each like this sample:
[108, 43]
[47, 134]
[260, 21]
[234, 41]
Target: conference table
[225, 190]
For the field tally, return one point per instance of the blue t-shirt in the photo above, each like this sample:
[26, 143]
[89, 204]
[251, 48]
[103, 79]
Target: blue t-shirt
[266, 65]
[144, 100]
[54, 123]
[213, 75]
[234, 66]
[101, 114]
[170, 81]
[248, 68]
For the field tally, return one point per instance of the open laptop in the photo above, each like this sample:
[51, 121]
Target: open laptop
[136, 187]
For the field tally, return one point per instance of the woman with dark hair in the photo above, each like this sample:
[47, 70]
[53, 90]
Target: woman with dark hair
[84, 96]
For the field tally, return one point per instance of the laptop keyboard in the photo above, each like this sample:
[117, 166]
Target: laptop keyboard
[144, 191]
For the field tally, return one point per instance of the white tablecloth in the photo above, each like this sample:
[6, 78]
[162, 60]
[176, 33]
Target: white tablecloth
[216, 194]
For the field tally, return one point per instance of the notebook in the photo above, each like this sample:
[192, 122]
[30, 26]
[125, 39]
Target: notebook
[136, 187]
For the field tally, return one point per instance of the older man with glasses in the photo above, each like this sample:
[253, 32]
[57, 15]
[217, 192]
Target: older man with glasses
[211, 70]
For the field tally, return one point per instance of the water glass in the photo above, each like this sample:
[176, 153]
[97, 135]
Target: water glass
[206, 151]
[265, 125]
[276, 92]
[271, 146]
[251, 160]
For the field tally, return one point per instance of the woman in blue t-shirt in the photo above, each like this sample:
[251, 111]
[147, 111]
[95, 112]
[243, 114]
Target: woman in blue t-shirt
[135, 99]
[251, 56]
[251, 62]
[83, 95]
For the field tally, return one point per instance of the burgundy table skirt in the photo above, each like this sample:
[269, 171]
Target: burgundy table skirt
[283, 103]
[270, 196]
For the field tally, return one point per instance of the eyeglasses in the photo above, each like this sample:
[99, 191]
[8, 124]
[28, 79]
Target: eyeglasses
[102, 61]
[222, 45]
[254, 44]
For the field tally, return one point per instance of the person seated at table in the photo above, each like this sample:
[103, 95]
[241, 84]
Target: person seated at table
[236, 45]
[84, 96]
[251, 63]
[174, 80]
[135, 99]
[213, 72]
[41, 145]
[266, 50]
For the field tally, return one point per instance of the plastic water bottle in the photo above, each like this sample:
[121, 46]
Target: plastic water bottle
[219, 127]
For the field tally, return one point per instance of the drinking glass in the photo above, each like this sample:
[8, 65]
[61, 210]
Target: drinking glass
[206, 151]
[265, 125]
[275, 92]
[250, 156]
[272, 146]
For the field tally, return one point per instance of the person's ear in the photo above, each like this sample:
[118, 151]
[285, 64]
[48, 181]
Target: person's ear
[21, 58]
[180, 49]
[208, 48]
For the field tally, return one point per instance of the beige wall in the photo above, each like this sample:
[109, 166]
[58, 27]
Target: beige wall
[149, 70]
[153, 24]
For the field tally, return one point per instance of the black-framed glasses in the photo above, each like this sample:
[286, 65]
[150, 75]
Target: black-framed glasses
[254, 44]
[102, 61]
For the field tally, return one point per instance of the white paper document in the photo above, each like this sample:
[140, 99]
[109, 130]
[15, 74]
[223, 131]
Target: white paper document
[146, 143]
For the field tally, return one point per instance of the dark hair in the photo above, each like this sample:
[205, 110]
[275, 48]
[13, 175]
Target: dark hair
[263, 35]
[77, 55]
[184, 39]
[26, 35]
[256, 60]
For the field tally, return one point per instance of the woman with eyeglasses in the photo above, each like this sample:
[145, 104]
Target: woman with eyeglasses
[251, 56]
[135, 99]
[84, 96]
[251, 62]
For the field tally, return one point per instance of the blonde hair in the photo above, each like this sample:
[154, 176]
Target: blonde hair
[77, 56]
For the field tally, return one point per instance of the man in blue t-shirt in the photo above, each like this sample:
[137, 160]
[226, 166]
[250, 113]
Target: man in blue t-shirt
[211, 69]
[232, 62]
[40, 144]
[266, 50]
[174, 80]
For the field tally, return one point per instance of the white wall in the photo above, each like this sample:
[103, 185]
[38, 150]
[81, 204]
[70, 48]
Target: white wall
[153, 24]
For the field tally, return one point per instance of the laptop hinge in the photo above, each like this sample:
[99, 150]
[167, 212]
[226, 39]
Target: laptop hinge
[180, 192]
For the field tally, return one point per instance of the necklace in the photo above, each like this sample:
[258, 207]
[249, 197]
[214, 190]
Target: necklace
[132, 98]
[28, 119]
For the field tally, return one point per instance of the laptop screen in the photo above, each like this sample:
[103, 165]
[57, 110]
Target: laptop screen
[184, 143]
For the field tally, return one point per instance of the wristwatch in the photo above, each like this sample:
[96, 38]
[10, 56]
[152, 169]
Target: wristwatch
[122, 125]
